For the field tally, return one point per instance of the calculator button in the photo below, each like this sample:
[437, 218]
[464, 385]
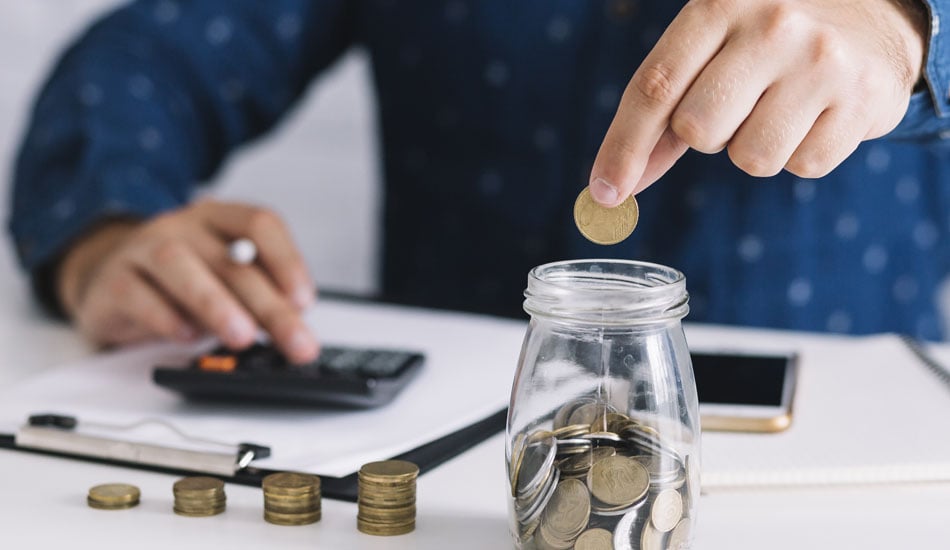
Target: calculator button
[217, 363]
[347, 361]
[260, 358]
[383, 365]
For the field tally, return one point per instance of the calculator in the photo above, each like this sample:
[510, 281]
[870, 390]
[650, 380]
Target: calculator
[341, 376]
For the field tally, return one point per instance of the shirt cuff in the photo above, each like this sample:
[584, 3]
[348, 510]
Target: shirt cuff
[121, 192]
[937, 66]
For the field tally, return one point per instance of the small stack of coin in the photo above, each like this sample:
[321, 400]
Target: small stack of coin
[387, 498]
[113, 496]
[199, 496]
[291, 498]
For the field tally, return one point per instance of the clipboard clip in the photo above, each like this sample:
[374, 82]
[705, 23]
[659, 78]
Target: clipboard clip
[65, 434]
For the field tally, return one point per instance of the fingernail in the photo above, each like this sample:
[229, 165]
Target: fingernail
[303, 297]
[240, 331]
[603, 192]
[302, 345]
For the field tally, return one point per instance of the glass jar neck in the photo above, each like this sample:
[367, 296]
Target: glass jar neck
[607, 292]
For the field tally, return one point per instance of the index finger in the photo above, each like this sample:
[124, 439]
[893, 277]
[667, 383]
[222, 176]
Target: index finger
[278, 254]
[686, 47]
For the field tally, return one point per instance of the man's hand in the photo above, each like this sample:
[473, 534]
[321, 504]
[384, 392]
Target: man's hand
[171, 277]
[794, 84]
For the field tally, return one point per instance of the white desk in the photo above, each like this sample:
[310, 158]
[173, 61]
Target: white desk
[461, 505]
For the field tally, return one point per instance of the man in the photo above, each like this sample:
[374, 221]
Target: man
[493, 116]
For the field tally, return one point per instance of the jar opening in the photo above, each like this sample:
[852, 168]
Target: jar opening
[607, 292]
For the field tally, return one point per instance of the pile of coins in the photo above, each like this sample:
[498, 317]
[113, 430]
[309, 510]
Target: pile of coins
[113, 496]
[599, 480]
[291, 498]
[387, 498]
[199, 496]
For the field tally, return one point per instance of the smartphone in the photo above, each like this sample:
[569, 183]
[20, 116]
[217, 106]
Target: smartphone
[745, 392]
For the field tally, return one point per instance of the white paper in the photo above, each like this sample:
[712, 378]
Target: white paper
[470, 363]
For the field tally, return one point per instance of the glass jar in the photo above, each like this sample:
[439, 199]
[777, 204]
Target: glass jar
[603, 438]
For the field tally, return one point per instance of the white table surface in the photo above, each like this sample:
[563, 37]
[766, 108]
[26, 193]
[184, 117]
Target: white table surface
[461, 505]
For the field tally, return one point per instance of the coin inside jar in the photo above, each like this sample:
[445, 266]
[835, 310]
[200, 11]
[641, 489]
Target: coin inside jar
[595, 539]
[618, 480]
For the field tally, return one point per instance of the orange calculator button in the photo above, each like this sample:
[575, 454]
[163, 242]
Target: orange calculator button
[217, 363]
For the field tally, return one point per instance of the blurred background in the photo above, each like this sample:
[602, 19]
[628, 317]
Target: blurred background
[327, 146]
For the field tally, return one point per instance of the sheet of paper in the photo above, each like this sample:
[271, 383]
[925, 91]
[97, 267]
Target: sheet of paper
[470, 363]
[866, 411]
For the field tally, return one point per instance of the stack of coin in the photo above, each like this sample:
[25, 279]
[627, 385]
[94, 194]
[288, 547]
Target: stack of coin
[199, 496]
[291, 498]
[387, 498]
[599, 479]
[113, 496]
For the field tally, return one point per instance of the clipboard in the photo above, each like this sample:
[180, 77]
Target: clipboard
[54, 435]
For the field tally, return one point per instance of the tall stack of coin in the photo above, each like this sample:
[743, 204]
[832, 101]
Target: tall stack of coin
[599, 480]
[199, 496]
[291, 498]
[113, 496]
[387, 498]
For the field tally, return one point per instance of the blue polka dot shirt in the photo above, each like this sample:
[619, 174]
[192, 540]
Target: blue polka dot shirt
[491, 113]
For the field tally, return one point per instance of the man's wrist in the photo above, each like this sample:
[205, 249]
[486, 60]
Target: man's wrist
[917, 14]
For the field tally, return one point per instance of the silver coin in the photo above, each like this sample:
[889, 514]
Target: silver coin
[628, 529]
[536, 465]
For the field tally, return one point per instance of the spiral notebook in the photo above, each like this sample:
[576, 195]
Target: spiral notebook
[873, 410]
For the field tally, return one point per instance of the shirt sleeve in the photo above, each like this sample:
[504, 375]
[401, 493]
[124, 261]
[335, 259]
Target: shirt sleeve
[928, 116]
[151, 99]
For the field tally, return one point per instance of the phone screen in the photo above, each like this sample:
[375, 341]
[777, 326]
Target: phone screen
[740, 379]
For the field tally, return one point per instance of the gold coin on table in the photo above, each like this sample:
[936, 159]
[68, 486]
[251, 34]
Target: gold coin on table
[198, 485]
[618, 480]
[389, 471]
[290, 483]
[605, 225]
[199, 496]
[595, 539]
[113, 496]
[667, 510]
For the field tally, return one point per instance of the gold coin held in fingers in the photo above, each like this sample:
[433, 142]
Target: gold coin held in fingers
[605, 225]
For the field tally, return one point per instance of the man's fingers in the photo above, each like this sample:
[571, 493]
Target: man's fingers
[276, 250]
[835, 135]
[725, 93]
[667, 151]
[273, 311]
[182, 275]
[776, 127]
[140, 312]
[651, 97]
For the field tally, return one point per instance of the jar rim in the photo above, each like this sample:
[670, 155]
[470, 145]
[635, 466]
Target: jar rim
[607, 291]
